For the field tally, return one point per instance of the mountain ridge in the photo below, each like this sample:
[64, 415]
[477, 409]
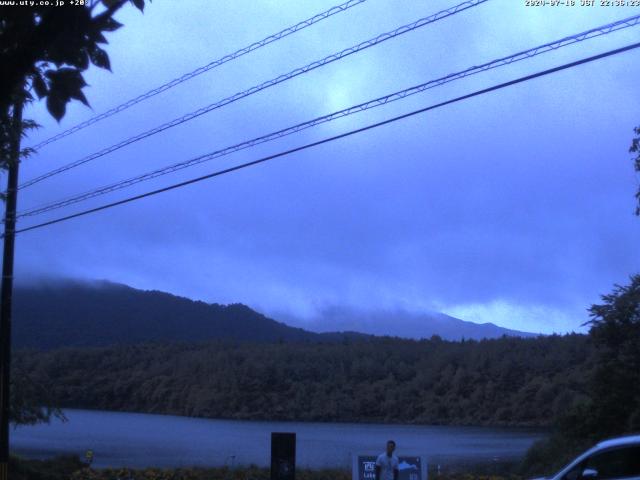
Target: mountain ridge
[74, 313]
[401, 323]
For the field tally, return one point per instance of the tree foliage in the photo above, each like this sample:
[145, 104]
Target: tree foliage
[507, 381]
[635, 148]
[31, 402]
[612, 404]
[45, 50]
[615, 329]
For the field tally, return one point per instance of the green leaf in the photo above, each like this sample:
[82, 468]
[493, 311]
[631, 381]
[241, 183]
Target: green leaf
[81, 60]
[66, 78]
[27, 152]
[29, 125]
[98, 37]
[79, 95]
[99, 58]
[56, 105]
[65, 84]
[40, 86]
[110, 25]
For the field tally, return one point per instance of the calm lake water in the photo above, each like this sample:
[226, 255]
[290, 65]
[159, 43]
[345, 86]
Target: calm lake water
[142, 440]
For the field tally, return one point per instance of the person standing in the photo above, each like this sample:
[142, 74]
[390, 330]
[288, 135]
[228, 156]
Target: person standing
[387, 464]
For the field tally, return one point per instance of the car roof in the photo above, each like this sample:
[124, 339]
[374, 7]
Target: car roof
[619, 441]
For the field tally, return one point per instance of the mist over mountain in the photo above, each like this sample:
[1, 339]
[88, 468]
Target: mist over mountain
[56, 314]
[68, 313]
[399, 323]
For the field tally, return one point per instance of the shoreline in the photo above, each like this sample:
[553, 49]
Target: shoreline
[517, 427]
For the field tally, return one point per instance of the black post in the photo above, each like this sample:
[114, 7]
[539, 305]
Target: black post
[7, 286]
[283, 456]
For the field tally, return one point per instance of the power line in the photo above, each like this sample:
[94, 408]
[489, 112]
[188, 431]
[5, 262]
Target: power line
[336, 137]
[270, 83]
[198, 71]
[532, 52]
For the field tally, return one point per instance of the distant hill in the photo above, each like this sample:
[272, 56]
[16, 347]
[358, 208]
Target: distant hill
[76, 314]
[51, 315]
[401, 323]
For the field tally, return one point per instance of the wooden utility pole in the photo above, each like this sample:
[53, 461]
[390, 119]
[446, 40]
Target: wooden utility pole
[13, 163]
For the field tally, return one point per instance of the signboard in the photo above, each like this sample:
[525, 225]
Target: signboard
[411, 467]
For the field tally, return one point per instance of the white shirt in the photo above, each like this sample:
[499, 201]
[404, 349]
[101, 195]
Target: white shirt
[387, 466]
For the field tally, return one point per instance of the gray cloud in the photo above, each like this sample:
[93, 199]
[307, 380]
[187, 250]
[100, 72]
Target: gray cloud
[514, 208]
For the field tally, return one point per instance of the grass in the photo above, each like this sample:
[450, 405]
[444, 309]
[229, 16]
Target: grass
[71, 468]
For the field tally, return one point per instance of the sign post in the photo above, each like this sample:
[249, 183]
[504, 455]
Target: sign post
[411, 467]
[283, 456]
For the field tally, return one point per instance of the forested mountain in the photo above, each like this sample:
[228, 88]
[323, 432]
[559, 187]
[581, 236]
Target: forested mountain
[507, 381]
[51, 315]
[68, 313]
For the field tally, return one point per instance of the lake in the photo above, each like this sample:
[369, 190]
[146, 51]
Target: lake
[143, 440]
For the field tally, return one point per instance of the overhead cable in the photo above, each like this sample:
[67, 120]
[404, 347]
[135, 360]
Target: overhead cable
[392, 97]
[258, 88]
[205, 68]
[334, 138]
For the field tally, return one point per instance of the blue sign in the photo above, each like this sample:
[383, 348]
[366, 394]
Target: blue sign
[409, 467]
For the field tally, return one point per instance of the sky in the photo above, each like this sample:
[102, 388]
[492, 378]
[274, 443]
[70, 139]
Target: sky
[515, 207]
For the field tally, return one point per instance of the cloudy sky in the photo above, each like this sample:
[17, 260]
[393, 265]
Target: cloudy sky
[515, 207]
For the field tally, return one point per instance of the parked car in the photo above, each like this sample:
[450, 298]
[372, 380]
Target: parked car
[616, 458]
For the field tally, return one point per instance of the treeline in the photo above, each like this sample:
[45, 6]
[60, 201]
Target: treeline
[612, 407]
[507, 381]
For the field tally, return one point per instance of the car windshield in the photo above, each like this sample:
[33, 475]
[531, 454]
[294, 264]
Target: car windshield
[622, 462]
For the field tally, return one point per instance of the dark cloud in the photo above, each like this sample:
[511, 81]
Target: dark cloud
[514, 208]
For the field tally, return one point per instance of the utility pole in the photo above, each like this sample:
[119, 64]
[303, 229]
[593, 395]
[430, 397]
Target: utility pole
[13, 162]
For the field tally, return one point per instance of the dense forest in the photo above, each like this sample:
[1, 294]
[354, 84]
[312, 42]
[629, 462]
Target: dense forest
[507, 381]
